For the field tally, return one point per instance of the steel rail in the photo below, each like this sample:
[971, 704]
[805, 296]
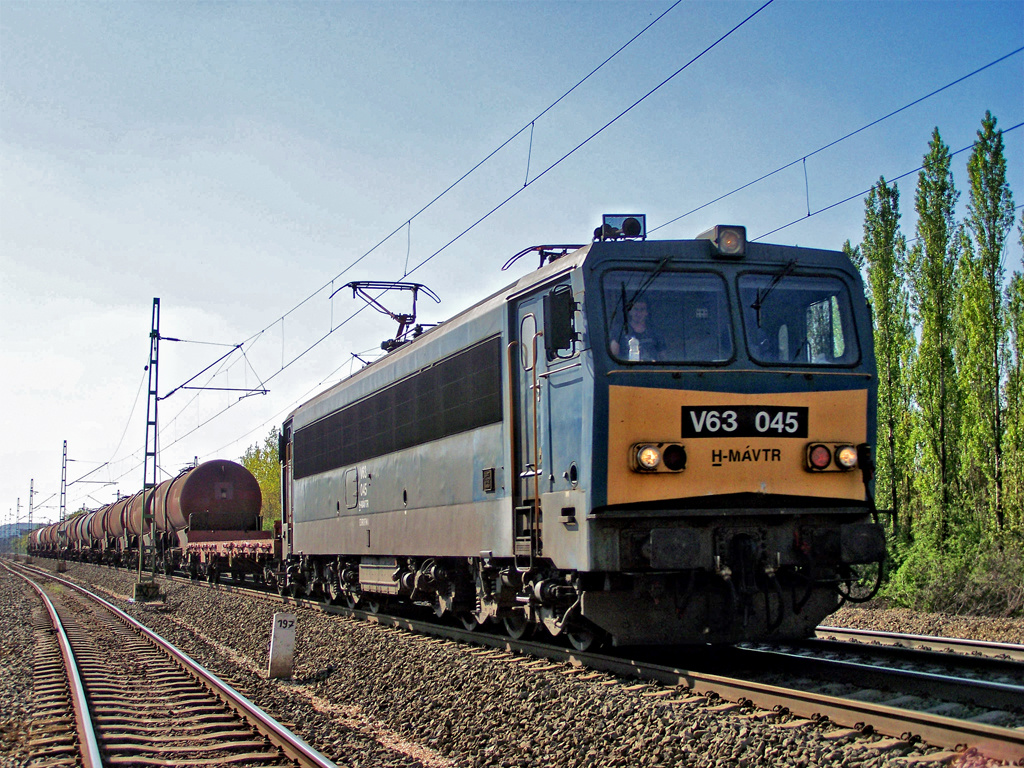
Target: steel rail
[930, 642]
[89, 747]
[977, 663]
[947, 687]
[292, 745]
[1005, 744]
[948, 733]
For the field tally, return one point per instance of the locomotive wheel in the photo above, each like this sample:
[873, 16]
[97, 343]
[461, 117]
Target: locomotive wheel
[351, 600]
[581, 638]
[331, 585]
[374, 605]
[334, 593]
[469, 621]
[517, 626]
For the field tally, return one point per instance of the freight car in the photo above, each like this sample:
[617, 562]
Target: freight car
[653, 442]
[205, 521]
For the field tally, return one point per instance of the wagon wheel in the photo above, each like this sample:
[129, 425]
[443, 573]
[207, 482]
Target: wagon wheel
[861, 582]
[270, 577]
[517, 626]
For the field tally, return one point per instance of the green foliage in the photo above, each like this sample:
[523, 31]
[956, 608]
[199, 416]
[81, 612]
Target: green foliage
[949, 342]
[932, 272]
[1013, 443]
[262, 460]
[853, 253]
[983, 324]
[884, 250]
[968, 578]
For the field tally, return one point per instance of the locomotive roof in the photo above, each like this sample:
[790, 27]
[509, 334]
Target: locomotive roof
[484, 318]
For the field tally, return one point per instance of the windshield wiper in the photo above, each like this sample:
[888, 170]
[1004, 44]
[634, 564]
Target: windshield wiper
[650, 279]
[763, 294]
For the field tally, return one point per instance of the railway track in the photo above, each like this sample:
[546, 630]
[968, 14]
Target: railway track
[111, 692]
[984, 682]
[945, 645]
[811, 700]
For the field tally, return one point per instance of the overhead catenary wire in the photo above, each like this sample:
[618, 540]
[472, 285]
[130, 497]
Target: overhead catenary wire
[487, 215]
[860, 195]
[468, 173]
[287, 363]
[834, 142]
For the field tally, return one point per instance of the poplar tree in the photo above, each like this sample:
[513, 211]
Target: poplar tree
[853, 253]
[989, 221]
[1014, 396]
[884, 250]
[932, 270]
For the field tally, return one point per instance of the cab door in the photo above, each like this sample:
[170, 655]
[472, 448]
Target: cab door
[527, 366]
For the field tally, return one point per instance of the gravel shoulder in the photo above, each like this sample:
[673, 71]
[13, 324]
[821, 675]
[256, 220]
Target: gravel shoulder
[370, 696]
[877, 616]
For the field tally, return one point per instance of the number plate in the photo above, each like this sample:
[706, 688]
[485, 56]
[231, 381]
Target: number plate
[744, 421]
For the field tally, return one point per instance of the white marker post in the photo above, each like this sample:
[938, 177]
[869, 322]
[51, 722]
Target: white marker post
[282, 646]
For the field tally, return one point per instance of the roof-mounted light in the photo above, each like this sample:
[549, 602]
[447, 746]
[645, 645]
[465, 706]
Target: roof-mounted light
[618, 226]
[727, 241]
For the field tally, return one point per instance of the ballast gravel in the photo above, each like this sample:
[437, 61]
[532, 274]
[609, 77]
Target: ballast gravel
[17, 603]
[369, 696]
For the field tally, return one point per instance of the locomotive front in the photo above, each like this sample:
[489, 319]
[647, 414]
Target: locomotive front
[734, 409]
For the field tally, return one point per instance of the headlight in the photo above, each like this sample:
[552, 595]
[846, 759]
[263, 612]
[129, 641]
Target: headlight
[846, 456]
[648, 457]
[657, 457]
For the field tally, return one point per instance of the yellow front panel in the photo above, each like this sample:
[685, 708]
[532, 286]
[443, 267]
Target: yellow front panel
[719, 465]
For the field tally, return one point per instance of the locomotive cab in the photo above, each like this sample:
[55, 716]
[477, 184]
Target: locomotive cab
[734, 410]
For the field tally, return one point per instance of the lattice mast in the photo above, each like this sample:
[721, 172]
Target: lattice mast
[64, 485]
[150, 458]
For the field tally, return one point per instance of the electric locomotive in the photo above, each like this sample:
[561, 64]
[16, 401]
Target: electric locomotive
[652, 442]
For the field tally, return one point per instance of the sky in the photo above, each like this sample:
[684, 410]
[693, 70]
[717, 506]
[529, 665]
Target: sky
[243, 161]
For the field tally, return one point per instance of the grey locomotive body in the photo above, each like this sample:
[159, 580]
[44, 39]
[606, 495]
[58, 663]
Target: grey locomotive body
[528, 462]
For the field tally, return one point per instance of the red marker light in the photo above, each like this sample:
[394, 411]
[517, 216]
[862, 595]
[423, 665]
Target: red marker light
[819, 457]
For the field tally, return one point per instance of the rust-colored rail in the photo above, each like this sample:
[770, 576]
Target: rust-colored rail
[156, 691]
[939, 731]
[1011, 651]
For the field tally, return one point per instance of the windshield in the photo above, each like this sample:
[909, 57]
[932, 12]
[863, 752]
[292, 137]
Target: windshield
[791, 319]
[670, 317]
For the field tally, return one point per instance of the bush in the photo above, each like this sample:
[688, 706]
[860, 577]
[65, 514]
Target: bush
[961, 578]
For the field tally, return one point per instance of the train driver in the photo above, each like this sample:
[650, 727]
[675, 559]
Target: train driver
[638, 341]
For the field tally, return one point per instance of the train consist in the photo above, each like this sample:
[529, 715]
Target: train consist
[206, 521]
[650, 442]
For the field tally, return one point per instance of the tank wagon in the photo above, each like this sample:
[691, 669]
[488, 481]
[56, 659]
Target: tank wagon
[653, 441]
[206, 521]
